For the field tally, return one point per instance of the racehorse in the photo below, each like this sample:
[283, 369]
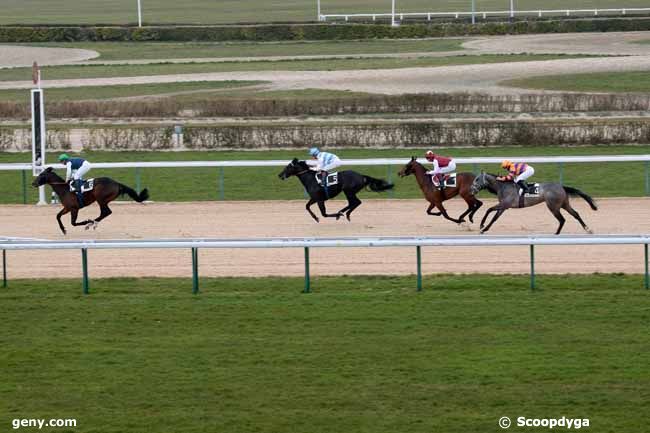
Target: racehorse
[105, 190]
[555, 196]
[350, 182]
[434, 196]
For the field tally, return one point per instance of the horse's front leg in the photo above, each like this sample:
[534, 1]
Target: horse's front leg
[73, 219]
[58, 219]
[321, 206]
[309, 203]
[488, 212]
[430, 208]
[444, 214]
[496, 217]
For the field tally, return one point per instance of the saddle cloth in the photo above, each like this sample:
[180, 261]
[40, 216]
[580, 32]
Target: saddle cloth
[450, 180]
[87, 185]
[533, 189]
[332, 179]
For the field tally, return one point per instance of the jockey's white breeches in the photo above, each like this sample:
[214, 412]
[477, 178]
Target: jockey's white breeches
[79, 173]
[451, 167]
[526, 174]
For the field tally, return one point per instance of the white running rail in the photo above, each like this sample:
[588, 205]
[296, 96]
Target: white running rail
[307, 243]
[349, 162]
[484, 14]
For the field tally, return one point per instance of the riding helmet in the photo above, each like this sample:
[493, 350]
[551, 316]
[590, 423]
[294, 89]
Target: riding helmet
[314, 151]
[430, 155]
[506, 163]
[63, 157]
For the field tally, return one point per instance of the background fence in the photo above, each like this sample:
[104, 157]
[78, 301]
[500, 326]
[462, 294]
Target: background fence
[397, 10]
[390, 164]
[306, 243]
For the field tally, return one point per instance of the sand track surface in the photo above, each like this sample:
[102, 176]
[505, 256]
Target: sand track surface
[289, 219]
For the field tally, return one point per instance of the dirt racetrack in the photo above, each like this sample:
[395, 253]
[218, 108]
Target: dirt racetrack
[289, 219]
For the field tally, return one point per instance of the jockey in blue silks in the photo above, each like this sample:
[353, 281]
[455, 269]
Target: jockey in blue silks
[324, 162]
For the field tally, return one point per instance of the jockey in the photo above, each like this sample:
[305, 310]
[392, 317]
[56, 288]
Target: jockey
[518, 173]
[325, 161]
[441, 166]
[76, 168]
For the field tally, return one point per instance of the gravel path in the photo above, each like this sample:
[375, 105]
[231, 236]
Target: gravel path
[466, 78]
[12, 56]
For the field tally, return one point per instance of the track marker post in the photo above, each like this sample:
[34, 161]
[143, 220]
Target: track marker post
[307, 288]
[4, 268]
[195, 270]
[84, 268]
[647, 275]
[221, 184]
[532, 267]
[418, 253]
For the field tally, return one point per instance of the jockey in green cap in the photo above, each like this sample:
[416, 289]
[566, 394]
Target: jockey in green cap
[76, 169]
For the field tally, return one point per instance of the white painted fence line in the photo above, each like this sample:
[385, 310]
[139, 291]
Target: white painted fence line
[307, 243]
[384, 241]
[349, 162]
[484, 14]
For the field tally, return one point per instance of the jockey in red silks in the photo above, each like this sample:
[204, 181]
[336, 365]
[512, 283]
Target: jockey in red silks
[441, 166]
[517, 173]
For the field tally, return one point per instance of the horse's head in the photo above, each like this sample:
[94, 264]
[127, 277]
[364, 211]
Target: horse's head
[45, 177]
[408, 168]
[481, 182]
[295, 167]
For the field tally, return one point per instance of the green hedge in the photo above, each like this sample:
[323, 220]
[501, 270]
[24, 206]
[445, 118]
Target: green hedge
[286, 32]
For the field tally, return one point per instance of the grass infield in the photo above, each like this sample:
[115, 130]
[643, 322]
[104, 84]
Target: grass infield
[197, 184]
[362, 354]
[614, 82]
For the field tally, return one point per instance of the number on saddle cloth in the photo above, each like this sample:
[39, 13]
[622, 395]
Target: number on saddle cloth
[449, 180]
[332, 179]
[533, 190]
[86, 186]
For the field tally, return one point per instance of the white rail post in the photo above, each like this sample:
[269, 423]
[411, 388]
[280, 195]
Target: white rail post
[392, 14]
[473, 11]
[512, 8]
[139, 14]
[318, 10]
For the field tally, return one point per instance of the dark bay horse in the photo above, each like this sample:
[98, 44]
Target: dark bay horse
[554, 195]
[436, 197]
[350, 182]
[105, 190]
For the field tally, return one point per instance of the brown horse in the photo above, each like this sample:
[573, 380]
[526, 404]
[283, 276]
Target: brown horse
[436, 197]
[105, 190]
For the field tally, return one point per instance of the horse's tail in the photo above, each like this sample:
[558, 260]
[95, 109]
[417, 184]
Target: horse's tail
[377, 184]
[575, 191]
[144, 194]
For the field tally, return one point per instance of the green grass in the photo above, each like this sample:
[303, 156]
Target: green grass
[203, 88]
[233, 11]
[262, 183]
[180, 50]
[614, 82]
[100, 71]
[362, 354]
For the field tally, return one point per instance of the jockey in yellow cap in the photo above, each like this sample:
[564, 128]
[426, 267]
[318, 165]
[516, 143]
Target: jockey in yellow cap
[518, 173]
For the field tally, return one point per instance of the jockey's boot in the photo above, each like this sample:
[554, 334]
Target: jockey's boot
[524, 187]
[80, 195]
[441, 182]
[323, 178]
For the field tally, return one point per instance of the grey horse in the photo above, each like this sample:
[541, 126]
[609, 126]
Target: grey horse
[554, 195]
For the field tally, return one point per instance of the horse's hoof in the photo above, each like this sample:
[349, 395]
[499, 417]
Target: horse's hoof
[348, 217]
[588, 230]
[95, 224]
